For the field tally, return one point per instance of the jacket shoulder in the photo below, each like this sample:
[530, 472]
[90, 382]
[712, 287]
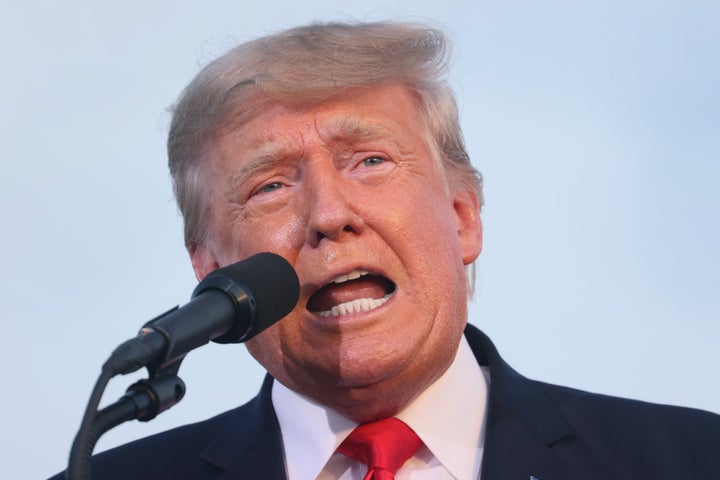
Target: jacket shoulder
[640, 435]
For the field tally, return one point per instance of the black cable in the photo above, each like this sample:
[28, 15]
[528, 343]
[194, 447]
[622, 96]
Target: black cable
[79, 463]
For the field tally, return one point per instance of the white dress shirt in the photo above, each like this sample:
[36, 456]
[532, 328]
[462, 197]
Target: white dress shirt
[449, 417]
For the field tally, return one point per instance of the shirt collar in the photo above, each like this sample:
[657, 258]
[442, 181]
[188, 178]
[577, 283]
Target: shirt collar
[449, 416]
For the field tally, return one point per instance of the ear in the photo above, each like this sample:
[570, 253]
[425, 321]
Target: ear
[203, 260]
[469, 224]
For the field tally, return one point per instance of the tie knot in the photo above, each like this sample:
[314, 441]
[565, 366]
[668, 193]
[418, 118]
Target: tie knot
[384, 445]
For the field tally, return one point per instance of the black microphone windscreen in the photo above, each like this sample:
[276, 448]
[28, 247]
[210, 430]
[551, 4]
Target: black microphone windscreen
[270, 282]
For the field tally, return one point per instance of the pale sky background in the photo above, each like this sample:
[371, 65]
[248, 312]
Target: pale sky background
[595, 124]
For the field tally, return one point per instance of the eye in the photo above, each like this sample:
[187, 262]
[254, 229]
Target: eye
[268, 187]
[372, 161]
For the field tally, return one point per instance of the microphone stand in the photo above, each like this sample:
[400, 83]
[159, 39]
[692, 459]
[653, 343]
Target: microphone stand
[228, 308]
[143, 400]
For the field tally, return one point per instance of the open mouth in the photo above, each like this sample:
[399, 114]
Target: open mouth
[357, 291]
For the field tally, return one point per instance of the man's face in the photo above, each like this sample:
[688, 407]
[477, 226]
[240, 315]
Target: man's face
[348, 192]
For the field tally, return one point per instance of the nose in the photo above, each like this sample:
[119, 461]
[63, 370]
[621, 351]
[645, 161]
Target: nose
[332, 212]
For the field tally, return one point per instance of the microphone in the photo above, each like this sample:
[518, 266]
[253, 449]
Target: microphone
[230, 305]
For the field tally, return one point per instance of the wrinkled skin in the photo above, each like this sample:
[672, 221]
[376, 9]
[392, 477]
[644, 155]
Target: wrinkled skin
[343, 185]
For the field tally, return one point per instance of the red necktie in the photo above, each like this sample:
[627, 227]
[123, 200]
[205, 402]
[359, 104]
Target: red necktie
[384, 446]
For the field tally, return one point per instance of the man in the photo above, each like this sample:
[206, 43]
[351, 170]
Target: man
[338, 147]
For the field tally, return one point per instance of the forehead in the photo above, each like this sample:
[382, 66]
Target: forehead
[358, 114]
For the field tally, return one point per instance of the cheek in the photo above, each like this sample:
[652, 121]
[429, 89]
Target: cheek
[281, 234]
[283, 347]
[265, 348]
[428, 227]
[430, 250]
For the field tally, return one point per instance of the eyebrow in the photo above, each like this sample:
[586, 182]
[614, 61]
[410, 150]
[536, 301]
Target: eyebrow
[356, 128]
[264, 157]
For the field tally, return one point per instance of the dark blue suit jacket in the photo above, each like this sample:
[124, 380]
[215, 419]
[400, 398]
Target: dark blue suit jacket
[533, 430]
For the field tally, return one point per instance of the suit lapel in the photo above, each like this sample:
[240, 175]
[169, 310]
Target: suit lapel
[525, 435]
[250, 444]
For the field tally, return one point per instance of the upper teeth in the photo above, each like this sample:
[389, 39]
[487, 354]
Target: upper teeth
[349, 276]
